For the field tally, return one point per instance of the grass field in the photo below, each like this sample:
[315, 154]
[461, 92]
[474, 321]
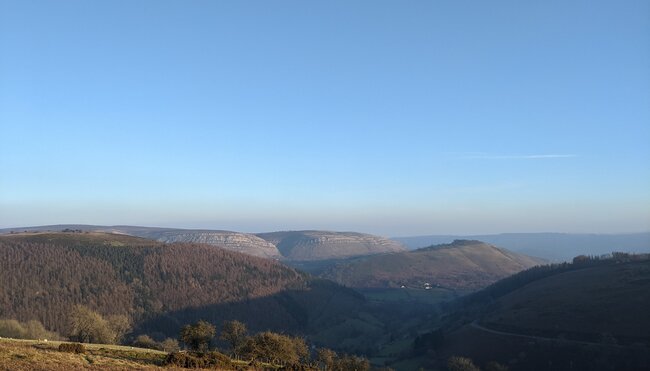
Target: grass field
[24, 355]
[39, 355]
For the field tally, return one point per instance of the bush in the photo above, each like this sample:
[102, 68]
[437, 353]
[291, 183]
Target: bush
[199, 360]
[185, 360]
[216, 359]
[275, 348]
[11, 328]
[198, 335]
[145, 341]
[461, 364]
[72, 348]
[88, 326]
[170, 345]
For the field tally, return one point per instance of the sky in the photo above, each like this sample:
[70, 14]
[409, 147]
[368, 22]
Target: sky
[388, 117]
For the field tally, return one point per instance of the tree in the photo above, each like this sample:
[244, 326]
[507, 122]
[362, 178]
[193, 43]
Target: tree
[120, 325]
[461, 364]
[170, 345]
[352, 363]
[145, 341]
[30, 330]
[10, 328]
[198, 336]
[276, 348]
[88, 326]
[326, 357]
[234, 332]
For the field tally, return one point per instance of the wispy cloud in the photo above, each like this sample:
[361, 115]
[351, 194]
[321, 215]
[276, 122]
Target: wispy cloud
[485, 156]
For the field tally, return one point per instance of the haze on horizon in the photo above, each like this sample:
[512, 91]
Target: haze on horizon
[375, 116]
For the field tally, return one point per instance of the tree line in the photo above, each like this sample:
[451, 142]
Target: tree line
[285, 351]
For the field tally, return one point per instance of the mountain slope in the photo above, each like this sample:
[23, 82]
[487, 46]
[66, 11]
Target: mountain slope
[159, 286]
[589, 315]
[464, 265]
[320, 245]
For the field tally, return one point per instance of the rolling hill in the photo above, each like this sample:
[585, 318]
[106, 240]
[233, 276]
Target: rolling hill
[461, 265]
[161, 287]
[551, 246]
[290, 246]
[589, 315]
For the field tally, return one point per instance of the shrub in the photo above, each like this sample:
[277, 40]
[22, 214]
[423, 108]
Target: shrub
[88, 326]
[72, 348]
[216, 359]
[145, 341]
[461, 364]
[10, 328]
[198, 360]
[170, 345]
[198, 335]
[275, 347]
[30, 330]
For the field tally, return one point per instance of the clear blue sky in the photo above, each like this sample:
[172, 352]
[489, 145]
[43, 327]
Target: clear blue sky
[389, 117]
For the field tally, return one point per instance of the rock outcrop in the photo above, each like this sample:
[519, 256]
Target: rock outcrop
[322, 245]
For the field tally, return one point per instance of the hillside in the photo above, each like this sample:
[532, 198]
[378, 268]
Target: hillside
[321, 245]
[588, 315]
[583, 304]
[461, 265]
[160, 286]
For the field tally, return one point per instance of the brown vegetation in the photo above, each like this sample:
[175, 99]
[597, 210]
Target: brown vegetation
[462, 265]
[44, 276]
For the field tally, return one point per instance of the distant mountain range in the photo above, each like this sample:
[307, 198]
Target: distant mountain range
[551, 246]
[288, 245]
[461, 265]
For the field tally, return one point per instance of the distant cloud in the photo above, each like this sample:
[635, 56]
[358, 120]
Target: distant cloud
[485, 156]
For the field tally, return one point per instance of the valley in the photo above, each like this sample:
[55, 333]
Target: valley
[402, 309]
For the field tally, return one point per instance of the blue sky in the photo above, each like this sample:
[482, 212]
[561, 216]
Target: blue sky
[389, 117]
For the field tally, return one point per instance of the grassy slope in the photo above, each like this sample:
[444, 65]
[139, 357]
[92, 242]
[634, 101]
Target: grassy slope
[462, 265]
[96, 238]
[590, 318]
[37, 355]
[613, 299]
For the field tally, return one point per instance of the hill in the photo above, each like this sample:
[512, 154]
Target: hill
[461, 265]
[321, 245]
[550, 246]
[235, 241]
[161, 287]
[290, 246]
[591, 314]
